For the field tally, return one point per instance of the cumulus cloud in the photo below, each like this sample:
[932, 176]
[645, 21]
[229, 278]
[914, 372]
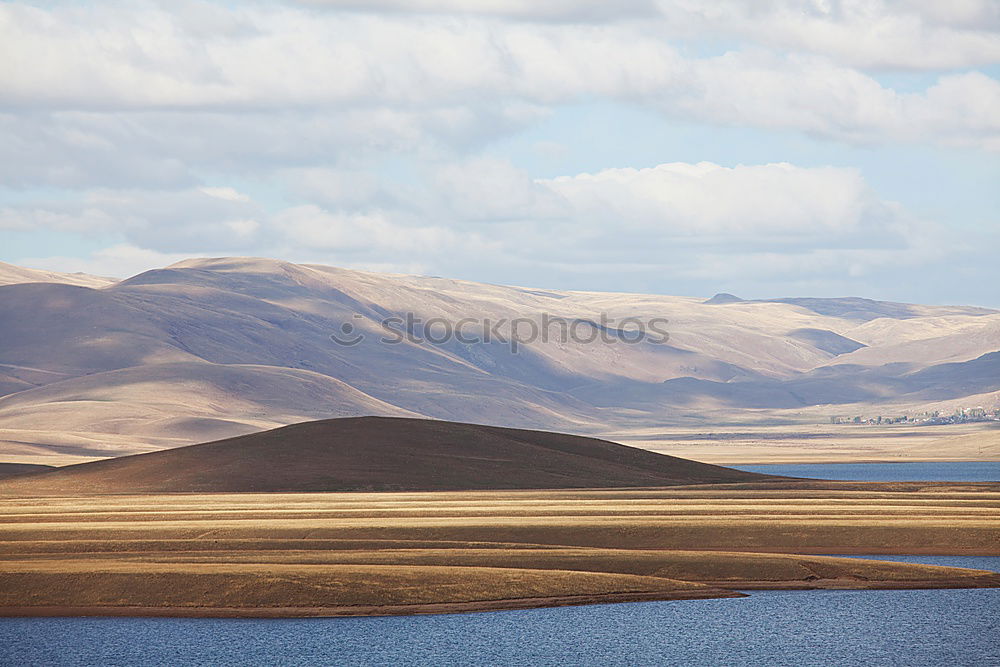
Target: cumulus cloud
[337, 187]
[365, 133]
[371, 234]
[689, 217]
[887, 34]
[701, 220]
[399, 79]
[484, 189]
[875, 34]
[117, 261]
[553, 10]
[709, 200]
[820, 98]
[166, 221]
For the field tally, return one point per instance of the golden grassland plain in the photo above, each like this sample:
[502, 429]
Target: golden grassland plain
[819, 443]
[331, 554]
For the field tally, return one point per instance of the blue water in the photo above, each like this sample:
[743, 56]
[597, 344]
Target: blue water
[991, 563]
[769, 628]
[939, 627]
[972, 471]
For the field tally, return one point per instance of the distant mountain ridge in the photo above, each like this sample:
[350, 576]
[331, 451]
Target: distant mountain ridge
[210, 348]
[12, 275]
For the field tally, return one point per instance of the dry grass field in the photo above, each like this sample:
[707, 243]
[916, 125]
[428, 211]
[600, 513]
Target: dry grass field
[816, 442]
[420, 552]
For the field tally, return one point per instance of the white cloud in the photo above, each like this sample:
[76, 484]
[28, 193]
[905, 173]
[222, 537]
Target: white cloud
[228, 194]
[120, 260]
[169, 221]
[171, 149]
[891, 34]
[811, 94]
[491, 189]
[243, 229]
[370, 234]
[709, 200]
[77, 217]
[364, 80]
[348, 188]
[361, 133]
[89, 150]
[878, 34]
[551, 10]
[692, 218]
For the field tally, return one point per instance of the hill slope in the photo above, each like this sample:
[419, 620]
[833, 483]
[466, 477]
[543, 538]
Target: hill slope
[15, 469]
[379, 453]
[11, 274]
[92, 372]
[177, 403]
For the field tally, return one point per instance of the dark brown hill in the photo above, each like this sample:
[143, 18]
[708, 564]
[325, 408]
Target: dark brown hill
[15, 469]
[380, 454]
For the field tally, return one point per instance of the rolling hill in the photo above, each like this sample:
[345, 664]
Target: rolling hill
[379, 454]
[15, 469]
[212, 348]
[11, 274]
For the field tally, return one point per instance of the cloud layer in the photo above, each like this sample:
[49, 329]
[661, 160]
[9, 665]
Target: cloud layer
[700, 220]
[418, 77]
[363, 133]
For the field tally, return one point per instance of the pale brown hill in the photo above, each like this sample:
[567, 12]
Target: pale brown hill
[180, 403]
[864, 310]
[376, 454]
[54, 332]
[12, 275]
[92, 372]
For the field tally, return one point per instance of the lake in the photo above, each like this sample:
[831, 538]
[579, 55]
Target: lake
[937, 627]
[943, 627]
[966, 471]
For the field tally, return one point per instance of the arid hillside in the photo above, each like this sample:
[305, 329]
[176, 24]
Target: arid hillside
[211, 348]
[11, 274]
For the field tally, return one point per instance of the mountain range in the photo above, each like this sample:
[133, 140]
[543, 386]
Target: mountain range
[214, 348]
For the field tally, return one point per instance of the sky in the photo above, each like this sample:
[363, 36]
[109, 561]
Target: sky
[765, 148]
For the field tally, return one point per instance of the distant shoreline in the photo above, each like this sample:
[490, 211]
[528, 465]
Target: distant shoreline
[353, 611]
[367, 610]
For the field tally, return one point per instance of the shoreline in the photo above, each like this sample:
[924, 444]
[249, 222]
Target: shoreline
[719, 590]
[869, 551]
[347, 611]
[868, 461]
